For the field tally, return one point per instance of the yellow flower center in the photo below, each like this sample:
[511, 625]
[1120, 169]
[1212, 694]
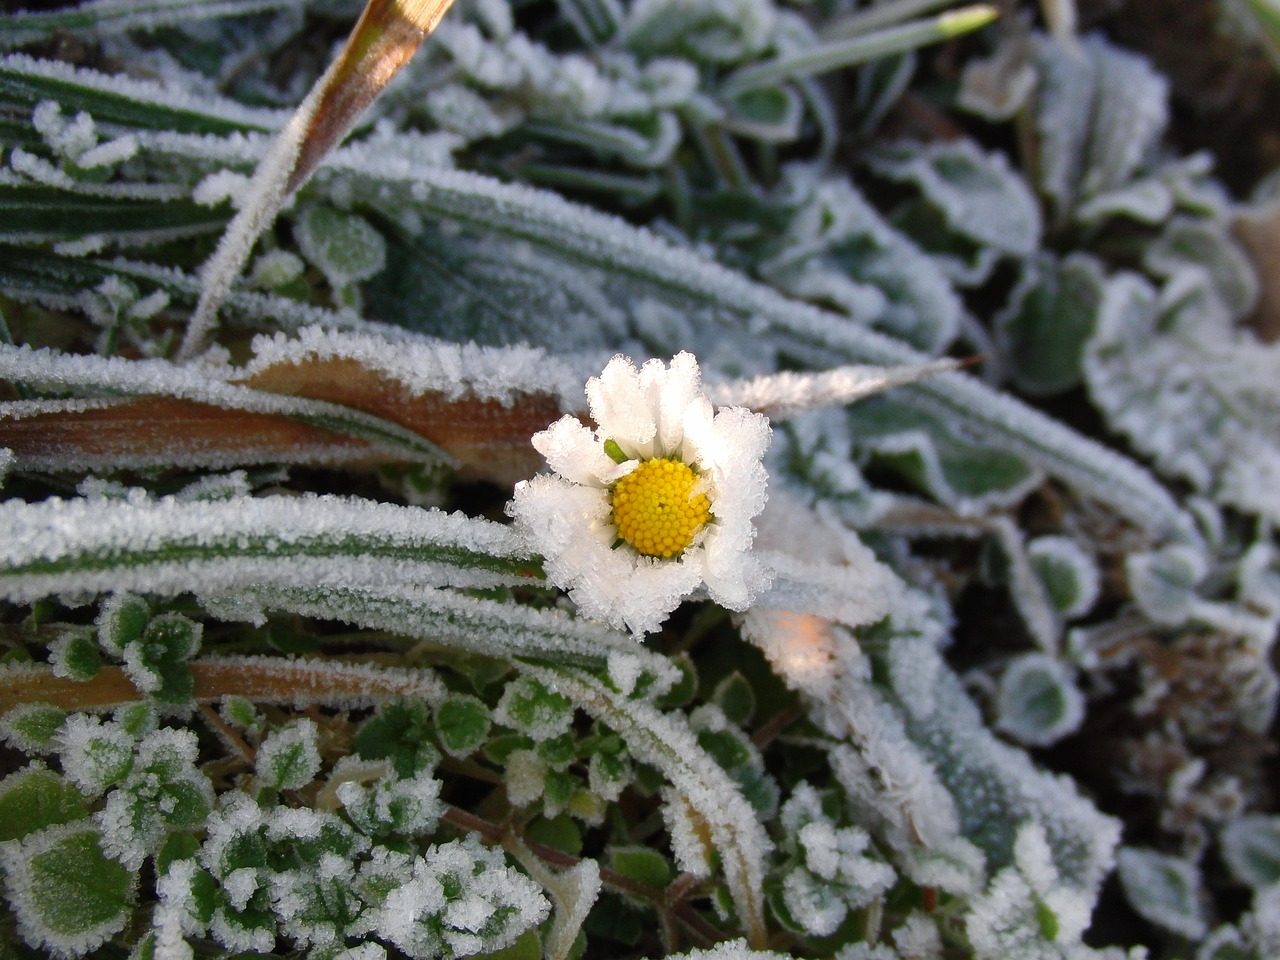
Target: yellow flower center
[656, 510]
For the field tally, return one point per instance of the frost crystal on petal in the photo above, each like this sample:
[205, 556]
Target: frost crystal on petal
[655, 413]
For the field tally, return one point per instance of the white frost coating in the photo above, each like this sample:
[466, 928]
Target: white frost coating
[427, 919]
[222, 545]
[423, 365]
[729, 950]
[834, 876]
[175, 913]
[219, 186]
[1054, 557]
[780, 396]
[488, 627]
[652, 413]
[666, 742]
[819, 566]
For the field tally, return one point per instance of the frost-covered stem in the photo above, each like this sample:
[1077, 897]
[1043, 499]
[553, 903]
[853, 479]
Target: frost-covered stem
[385, 38]
[260, 679]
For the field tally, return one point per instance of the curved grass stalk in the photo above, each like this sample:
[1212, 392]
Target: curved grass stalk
[660, 740]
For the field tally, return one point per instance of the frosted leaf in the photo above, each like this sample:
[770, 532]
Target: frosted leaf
[689, 847]
[1098, 115]
[1070, 576]
[164, 791]
[995, 787]
[31, 727]
[94, 754]
[1251, 848]
[977, 194]
[1038, 702]
[1050, 314]
[1163, 582]
[67, 896]
[525, 776]
[345, 247]
[1165, 890]
[720, 31]
[289, 758]
[1197, 396]
[1206, 245]
[406, 806]
[834, 876]
[530, 707]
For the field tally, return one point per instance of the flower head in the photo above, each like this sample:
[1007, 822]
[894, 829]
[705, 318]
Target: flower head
[655, 504]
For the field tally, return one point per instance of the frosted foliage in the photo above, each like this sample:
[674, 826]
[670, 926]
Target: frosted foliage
[94, 754]
[164, 789]
[688, 846]
[289, 758]
[209, 546]
[1197, 396]
[979, 196]
[1251, 847]
[56, 907]
[1164, 889]
[1027, 911]
[458, 899]
[407, 806]
[1038, 702]
[719, 31]
[834, 875]
[1098, 115]
[995, 786]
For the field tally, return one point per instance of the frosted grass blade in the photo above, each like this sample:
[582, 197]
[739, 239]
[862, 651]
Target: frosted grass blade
[848, 52]
[114, 16]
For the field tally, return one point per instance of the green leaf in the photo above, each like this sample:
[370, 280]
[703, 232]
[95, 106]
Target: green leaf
[34, 798]
[463, 722]
[345, 247]
[67, 894]
[642, 864]
[31, 727]
[735, 697]
[121, 621]
[560, 833]
[1050, 316]
[529, 707]
[402, 733]
[76, 655]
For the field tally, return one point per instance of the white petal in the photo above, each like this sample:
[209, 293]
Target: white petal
[670, 392]
[573, 451]
[620, 408]
[625, 589]
[697, 446]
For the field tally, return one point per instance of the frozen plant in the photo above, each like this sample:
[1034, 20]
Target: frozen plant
[903, 585]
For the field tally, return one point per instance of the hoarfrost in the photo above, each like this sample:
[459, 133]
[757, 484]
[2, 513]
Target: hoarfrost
[289, 758]
[1164, 889]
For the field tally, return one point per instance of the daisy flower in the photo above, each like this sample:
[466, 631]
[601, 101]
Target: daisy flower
[653, 506]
